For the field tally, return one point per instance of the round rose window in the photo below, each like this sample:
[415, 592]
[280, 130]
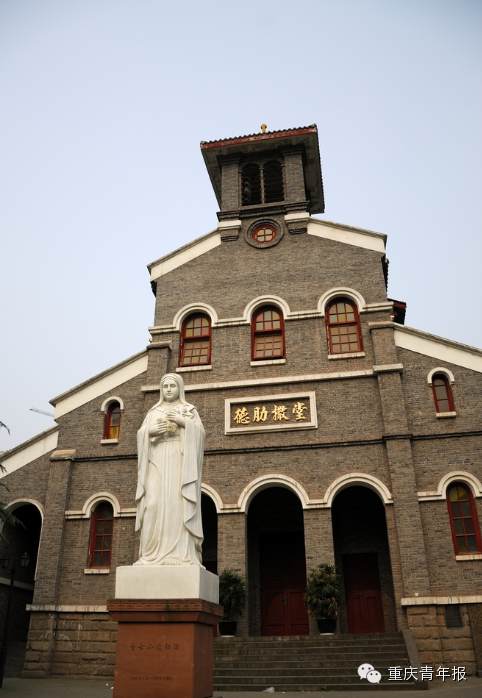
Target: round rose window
[264, 233]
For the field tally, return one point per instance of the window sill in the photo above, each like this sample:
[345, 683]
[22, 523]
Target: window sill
[350, 355]
[470, 556]
[109, 441]
[97, 570]
[183, 369]
[267, 362]
[444, 415]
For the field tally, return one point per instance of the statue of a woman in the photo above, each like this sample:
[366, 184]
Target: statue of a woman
[170, 447]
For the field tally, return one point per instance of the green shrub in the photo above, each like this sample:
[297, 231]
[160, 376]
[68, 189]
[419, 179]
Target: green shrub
[323, 595]
[232, 594]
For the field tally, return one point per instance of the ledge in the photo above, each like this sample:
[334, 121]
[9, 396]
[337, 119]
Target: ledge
[267, 362]
[444, 415]
[104, 442]
[387, 368]
[52, 608]
[439, 600]
[187, 369]
[97, 570]
[349, 355]
[471, 556]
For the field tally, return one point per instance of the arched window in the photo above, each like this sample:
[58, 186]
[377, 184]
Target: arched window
[101, 535]
[267, 334]
[343, 326]
[196, 340]
[112, 421]
[273, 182]
[251, 185]
[463, 519]
[442, 394]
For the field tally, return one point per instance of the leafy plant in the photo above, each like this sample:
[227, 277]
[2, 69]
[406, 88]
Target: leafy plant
[232, 594]
[323, 595]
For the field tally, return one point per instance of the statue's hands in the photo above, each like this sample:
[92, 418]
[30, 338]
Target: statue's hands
[174, 416]
[158, 429]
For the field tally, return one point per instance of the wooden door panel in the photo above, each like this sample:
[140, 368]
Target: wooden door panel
[283, 584]
[362, 593]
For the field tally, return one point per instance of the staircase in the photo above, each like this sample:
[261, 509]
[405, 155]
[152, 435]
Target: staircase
[308, 663]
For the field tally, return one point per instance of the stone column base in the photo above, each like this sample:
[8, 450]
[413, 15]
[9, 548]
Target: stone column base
[164, 647]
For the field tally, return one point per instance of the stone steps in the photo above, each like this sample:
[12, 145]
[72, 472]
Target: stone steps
[308, 663]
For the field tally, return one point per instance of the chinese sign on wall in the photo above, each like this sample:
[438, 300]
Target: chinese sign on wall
[270, 413]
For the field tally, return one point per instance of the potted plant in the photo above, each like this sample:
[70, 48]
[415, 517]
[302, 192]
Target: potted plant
[232, 597]
[323, 597]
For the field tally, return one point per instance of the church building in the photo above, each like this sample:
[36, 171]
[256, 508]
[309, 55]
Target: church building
[334, 434]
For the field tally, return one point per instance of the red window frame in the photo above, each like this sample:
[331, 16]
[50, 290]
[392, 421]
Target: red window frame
[200, 334]
[463, 519]
[266, 331]
[112, 421]
[101, 536]
[351, 323]
[438, 391]
[264, 234]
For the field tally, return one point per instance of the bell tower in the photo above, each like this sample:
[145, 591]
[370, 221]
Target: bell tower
[271, 173]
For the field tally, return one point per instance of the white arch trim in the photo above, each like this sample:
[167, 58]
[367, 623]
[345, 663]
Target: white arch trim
[112, 398]
[265, 300]
[445, 372]
[100, 497]
[21, 502]
[340, 291]
[454, 476]
[350, 479]
[182, 314]
[272, 480]
[214, 495]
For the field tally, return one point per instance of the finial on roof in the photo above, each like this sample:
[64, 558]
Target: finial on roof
[263, 128]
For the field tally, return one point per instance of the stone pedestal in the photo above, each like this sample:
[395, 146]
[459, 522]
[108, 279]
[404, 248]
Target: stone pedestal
[164, 642]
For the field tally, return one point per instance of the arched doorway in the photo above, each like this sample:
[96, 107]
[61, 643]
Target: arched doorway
[362, 558]
[276, 564]
[210, 529]
[19, 540]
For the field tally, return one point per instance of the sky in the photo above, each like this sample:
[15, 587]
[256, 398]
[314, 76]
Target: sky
[104, 104]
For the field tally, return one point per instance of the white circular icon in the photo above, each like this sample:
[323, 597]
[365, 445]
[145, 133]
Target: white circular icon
[374, 676]
[363, 670]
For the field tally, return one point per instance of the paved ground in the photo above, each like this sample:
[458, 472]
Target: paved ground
[71, 688]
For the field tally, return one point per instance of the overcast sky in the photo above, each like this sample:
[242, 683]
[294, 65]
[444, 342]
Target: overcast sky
[104, 104]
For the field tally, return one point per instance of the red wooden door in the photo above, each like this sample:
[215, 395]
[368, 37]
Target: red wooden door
[364, 609]
[283, 584]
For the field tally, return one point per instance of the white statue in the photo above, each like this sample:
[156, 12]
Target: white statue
[170, 447]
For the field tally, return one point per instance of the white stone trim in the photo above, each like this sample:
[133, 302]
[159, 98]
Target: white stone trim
[18, 585]
[267, 362]
[191, 308]
[52, 608]
[438, 347]
[341, 291]
[108, 400]
[266, 481]
[444, 415]
[29, 451]
[276, 380]
[256, 303]
[214, 495]
[455, 475]
[388, 368]
[187, 369]
[185, 254]
[471, 556]
[16, 503]
[99, 385]
[439, 600]
[288, 426]
[378, 307]
[440, 369]
[233, 224]
[90, 504]
[97, 570]
[363, 479]
[347, 234]
[350, 355]
[106, 442]
[298, 216]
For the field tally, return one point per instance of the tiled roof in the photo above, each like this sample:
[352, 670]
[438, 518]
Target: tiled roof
[260, 136]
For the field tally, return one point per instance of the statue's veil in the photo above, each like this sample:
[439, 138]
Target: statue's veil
[180, 384]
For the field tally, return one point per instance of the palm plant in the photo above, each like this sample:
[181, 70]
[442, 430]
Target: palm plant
[232, 594]
[323, 595]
